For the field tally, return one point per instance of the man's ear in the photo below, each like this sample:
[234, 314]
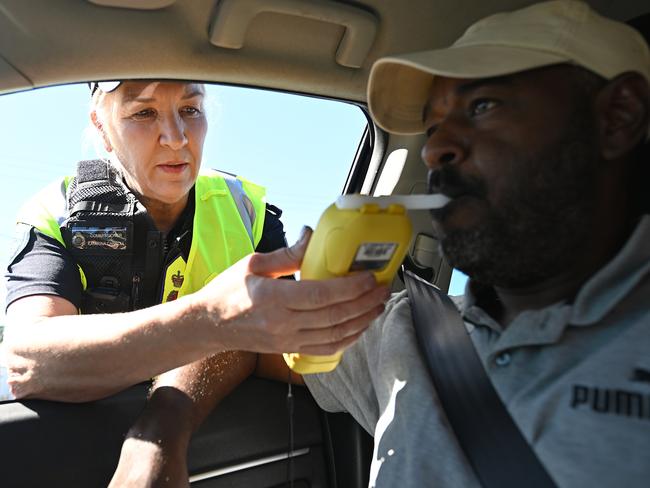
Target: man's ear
[100, 128]
[623, 111]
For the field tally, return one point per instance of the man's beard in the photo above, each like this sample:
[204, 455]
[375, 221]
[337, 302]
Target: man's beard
[541, 223]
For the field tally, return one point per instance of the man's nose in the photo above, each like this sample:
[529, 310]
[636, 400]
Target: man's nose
[443, 147]
[172, 132]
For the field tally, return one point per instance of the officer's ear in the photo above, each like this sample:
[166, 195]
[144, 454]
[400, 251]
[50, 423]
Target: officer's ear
[623, 111]
[100, 128]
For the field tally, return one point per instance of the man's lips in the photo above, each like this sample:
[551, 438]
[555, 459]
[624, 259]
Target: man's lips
[461, 191]
[455, 202]
[450, 183]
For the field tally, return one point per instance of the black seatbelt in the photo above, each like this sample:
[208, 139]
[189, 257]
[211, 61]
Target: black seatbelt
[496, 449]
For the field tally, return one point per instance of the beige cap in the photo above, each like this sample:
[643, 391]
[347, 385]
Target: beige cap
[559, 31]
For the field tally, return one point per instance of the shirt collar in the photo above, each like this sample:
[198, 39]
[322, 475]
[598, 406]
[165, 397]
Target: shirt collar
[615, 280]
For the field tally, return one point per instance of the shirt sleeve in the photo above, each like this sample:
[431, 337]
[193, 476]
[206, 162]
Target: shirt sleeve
[354, 386]
[349, 388]
[273, 231]
[40, 265]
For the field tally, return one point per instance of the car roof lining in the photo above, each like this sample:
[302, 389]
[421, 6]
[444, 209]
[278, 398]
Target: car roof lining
[280, 51]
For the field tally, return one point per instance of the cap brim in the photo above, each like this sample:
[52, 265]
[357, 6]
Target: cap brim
[108, 86]
[104, 86]
[398, 87]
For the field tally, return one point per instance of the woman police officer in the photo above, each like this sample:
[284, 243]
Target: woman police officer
[143, 237]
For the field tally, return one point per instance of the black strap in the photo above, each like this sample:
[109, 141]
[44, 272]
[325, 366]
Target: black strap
[496, 449]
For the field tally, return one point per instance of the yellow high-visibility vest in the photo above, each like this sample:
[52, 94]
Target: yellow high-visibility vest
[228, 222]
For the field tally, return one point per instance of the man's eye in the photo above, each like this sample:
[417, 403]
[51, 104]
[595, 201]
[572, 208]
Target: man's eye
[431, 130]
[479, 107]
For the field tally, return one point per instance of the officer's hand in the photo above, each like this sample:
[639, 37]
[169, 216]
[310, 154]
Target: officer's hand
[255, 312]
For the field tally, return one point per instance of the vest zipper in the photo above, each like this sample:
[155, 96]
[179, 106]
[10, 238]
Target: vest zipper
[135, 290]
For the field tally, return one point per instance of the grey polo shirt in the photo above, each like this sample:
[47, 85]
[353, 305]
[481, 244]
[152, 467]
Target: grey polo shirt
[574, 376]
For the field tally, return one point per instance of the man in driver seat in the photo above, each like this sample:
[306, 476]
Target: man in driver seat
[536, 124]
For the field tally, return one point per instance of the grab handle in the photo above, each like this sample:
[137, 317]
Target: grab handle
[233, 17]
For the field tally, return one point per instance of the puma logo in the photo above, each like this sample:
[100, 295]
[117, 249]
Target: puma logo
[617, 402]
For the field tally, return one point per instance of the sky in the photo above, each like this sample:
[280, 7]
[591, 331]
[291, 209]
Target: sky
[299, 148]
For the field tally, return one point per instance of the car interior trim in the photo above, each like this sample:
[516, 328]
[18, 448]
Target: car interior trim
[134, 4]
[378, 152]
[11, 77]
[214, 473]
[391, 173]
[233, 18]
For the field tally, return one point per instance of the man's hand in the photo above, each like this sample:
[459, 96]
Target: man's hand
[144, 463]
[256, 312]
[155, 450]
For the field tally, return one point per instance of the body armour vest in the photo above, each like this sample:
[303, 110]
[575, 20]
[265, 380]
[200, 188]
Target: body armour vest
[121, 255]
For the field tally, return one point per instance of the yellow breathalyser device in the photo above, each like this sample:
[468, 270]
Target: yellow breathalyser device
[357, 233]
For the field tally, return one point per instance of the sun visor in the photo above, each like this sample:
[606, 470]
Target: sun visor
[10, 79]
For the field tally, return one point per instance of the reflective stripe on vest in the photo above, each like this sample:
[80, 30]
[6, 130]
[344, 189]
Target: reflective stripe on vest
[48, 209]
[222, 234]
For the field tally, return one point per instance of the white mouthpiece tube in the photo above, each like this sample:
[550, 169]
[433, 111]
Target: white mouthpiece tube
[411, 202]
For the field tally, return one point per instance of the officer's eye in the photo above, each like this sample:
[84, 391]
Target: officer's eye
[144, 114]
[482, 105]
[191, 111]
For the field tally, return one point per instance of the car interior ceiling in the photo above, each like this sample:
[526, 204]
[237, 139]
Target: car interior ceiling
[277, 46]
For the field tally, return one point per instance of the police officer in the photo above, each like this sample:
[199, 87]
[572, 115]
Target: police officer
[114, 279]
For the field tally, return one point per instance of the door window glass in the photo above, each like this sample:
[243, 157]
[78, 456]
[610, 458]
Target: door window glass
[457, 283]
[300, 148]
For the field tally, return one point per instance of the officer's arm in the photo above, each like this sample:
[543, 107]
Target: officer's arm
[52, 353]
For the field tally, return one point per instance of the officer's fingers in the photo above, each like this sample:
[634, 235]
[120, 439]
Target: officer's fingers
[283, 261]
[327, 350]
[310, 295]
[333, 339]
[280, 262]
[340, 313]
